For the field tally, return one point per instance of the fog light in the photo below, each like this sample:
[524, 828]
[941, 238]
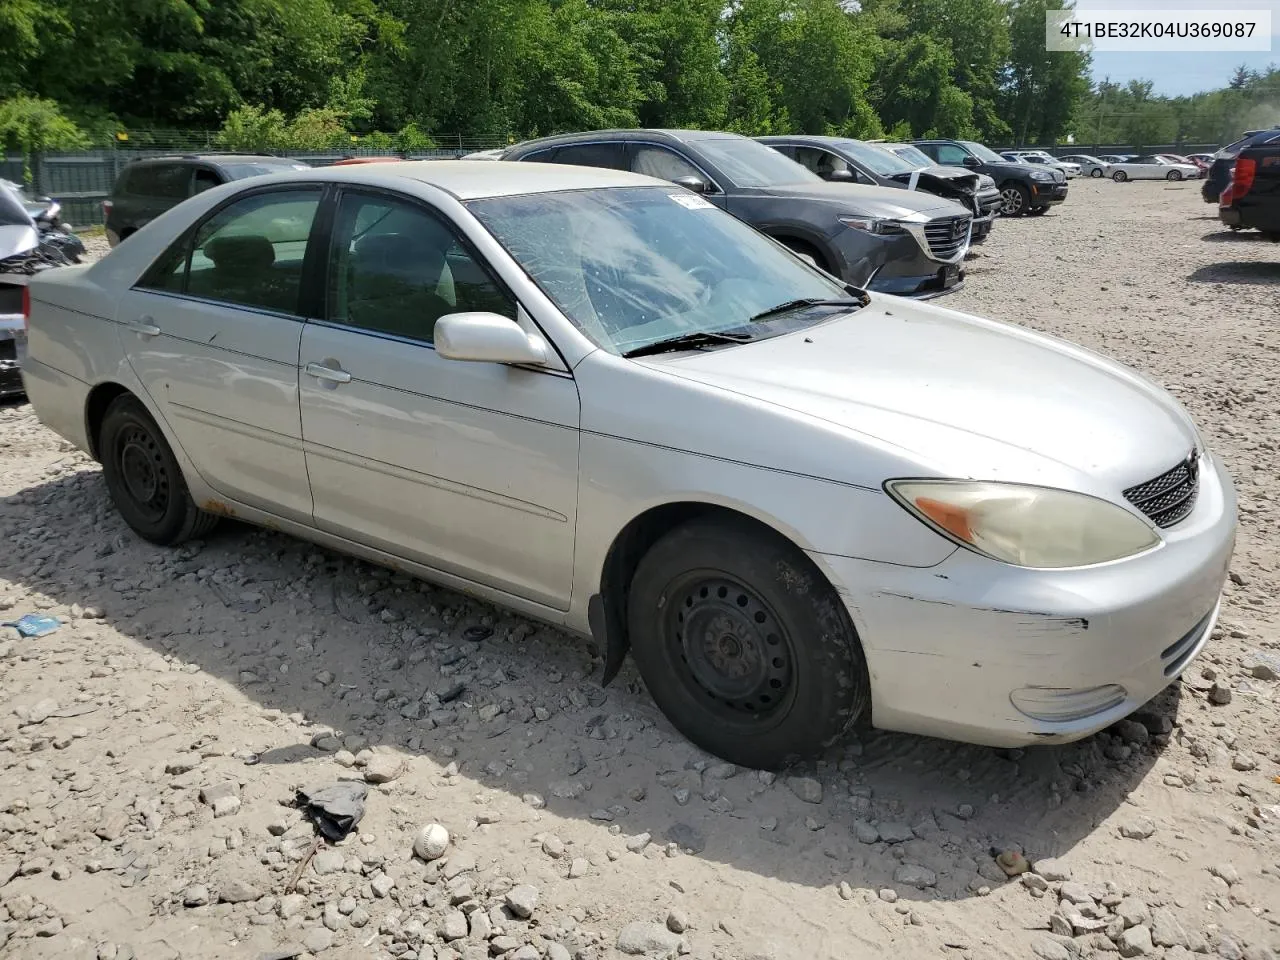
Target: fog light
[1057, 705]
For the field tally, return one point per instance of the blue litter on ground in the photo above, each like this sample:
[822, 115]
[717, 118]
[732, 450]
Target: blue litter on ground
[33, 624]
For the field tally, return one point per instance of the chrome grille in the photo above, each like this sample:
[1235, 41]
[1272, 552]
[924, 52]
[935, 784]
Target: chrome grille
[947, 236]
[1168, 498]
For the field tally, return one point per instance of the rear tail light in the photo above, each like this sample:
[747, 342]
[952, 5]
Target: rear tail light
[106, 208]
[1242, 176]
[1225, 198]
[26, 309]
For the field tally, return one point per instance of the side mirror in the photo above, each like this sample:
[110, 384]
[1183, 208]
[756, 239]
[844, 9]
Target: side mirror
[487, 338]
[696, 184]
[839, 176]
[971, 162]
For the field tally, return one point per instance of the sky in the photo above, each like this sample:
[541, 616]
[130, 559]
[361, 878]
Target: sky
[1180, 74]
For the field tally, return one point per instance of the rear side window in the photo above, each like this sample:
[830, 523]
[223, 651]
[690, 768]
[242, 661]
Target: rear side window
[609, 155]
[249, 253]
[169, 181]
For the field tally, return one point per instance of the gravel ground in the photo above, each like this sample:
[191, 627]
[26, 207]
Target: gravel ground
[153, 745]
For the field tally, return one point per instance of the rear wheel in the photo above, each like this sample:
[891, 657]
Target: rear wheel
[1037, 211]
[1014, 198]
[144, 479]
[1174, 175]
[1119, 176]
[1096, 172]
[744, 645]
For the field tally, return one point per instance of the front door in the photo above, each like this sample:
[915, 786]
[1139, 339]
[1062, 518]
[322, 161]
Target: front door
[212, 331]
[470, 468]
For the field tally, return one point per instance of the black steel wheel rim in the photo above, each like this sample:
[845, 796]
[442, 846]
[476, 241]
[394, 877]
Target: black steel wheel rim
[738, 656]
[143, 471]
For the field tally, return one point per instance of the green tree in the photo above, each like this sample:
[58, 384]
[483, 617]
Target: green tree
[1040, 89]
[32, 126]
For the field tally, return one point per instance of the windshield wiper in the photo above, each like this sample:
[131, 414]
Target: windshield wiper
[791, 305]
[687, 341]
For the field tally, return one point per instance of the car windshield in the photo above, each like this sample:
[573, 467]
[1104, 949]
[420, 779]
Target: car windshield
[748, 163]
[878, 161]
[634, 266]
[913, 155]
[985, 154]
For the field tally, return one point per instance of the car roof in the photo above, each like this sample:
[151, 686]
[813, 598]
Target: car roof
[641, 133]
[218, 158]
[469, 180]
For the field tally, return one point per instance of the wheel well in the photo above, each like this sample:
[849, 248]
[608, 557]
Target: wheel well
[800, 245]
[95, 408]
[609, 625]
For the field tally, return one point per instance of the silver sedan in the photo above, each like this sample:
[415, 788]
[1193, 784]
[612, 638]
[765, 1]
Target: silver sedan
[597, 399]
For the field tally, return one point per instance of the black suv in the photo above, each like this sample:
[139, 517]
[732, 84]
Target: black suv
[147, 188]
[1252, 198]
[893, 241]
[1025, 188]
[840, 159]
[1219, 174]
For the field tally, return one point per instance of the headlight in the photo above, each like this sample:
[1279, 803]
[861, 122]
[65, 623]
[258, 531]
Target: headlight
[1025, 525]
[1041, 175]
[880, 225]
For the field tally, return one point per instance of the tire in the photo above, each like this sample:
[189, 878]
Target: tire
[1015, 198]
[744, 645]
[799, 246]
[1096, 172]
[1119, 176]
[1174, 175]
[144, 478]
[1037, 211]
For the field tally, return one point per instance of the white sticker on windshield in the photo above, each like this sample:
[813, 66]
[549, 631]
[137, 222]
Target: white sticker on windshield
[691, 200]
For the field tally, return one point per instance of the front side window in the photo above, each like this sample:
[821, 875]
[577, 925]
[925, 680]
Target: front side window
[249, 253]
[662, 163]
[635, 266]
[983, 153]
[949, 155]
[168, 181]
[822, 162]
[395, 268]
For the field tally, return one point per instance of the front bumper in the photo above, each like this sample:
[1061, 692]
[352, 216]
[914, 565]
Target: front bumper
[950, 647]
[1047, 194]
[982, 227]
[898, 265]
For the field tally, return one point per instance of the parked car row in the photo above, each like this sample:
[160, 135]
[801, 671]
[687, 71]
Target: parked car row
[607, 402]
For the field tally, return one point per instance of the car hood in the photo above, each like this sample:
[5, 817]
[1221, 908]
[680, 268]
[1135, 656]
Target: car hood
[953, 176]
[967, 397]
[870, 201]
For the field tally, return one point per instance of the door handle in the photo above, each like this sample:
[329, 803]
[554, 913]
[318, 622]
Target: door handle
[143, 327]
[331, 374]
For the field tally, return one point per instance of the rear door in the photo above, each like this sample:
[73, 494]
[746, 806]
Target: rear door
[212, 331]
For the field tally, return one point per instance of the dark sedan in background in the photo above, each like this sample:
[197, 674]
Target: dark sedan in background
[840, 159]
[892, 241]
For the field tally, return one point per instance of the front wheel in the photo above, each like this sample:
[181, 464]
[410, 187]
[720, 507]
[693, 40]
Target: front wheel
[744, 645]
[1096, 172]
[1037, 211]
[144, 478]
[1014, 200]
[1119, 176]
[1174, 175]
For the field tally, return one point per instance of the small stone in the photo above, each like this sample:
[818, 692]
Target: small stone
[1076, 893]
[1264, 671]
[892, 831]
[1219, 695]
[1243, 762]
[225, 806]
[637, 843]
[1053, 870]
[579, 867]
[866, 832]
[1166, 931]
[1133, 912]
[677, 922]
[183, 763]
[1131, 731]
[383, 768]
[382, 885]
[1047, 949]
[639, 938]
[553, 846]
[1226, 872]
[454, 925]
[195, 896]
[328, 861]
[889, 895]
[914, 875]
[1012, 863]
[1138, 828]
[1135, 942]
[318, 940]
[290, 905]
[720, 771]
[845, 890]
[1034, 882]
[216, 791]
[238, 890]
[806, 788]
[481, 927]
[686, 837]
[431, 842]
[522, 901]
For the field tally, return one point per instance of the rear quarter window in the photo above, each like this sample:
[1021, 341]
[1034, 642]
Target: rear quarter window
[168, 181]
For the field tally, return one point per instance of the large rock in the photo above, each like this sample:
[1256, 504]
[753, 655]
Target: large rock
[1166, 931]
[522, 901]
[1135, 942]
[806, 788]
[383, 768]
[648, 939]
[914, 875]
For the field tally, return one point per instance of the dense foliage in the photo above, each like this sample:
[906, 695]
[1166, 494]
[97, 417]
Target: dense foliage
[310, 74]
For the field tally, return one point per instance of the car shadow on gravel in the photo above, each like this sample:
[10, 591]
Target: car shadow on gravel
[1253, 272]
[517, 706]
[1235, 236]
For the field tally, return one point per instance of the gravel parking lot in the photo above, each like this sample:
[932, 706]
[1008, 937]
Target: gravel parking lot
[153, 744]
